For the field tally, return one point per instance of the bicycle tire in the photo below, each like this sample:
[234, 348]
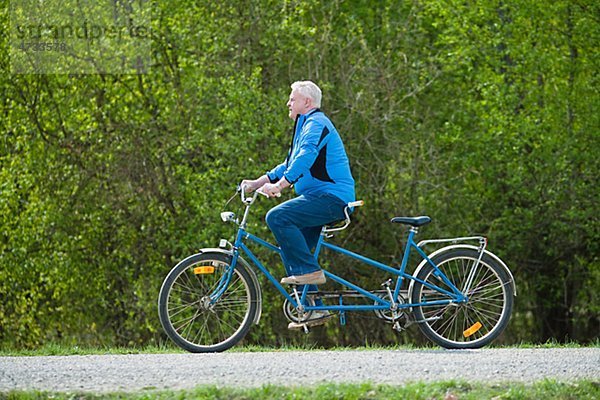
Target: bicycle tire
[468, 325]
[186, 315]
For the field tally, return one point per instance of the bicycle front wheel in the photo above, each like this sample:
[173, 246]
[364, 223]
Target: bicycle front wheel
[191, 319]
[471, 324]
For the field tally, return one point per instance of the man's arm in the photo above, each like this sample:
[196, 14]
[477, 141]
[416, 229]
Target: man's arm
[276, 173]
[272, 176]
[307, 153]
[274, 189]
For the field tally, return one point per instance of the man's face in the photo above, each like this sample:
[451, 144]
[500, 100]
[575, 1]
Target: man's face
[298, 104]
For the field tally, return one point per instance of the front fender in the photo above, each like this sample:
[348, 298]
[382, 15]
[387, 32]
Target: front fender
[250, 272]
[462, 246]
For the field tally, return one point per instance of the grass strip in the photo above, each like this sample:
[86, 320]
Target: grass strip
[448, 390]
[55, 349]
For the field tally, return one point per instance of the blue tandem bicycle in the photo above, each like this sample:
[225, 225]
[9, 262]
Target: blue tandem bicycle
[460, 296]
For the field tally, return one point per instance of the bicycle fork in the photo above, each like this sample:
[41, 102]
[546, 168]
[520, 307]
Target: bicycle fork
[224, 281]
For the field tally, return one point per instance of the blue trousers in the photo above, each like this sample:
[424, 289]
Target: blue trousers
[296, 225]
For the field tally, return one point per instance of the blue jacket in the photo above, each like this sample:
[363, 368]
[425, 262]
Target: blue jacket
[317, 161]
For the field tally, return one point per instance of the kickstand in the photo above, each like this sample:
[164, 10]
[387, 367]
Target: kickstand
[306, 329]
[342, 313]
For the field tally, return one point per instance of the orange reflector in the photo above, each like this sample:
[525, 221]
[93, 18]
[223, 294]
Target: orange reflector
[204, 270]
[474, 328]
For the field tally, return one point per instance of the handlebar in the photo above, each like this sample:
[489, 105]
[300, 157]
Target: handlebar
[358, 203]
[246, 200]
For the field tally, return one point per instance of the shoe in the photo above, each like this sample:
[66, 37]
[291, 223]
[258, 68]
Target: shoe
[316, 318]
[313, 278]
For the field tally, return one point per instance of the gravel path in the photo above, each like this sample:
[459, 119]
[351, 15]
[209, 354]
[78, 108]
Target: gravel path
[127, 373]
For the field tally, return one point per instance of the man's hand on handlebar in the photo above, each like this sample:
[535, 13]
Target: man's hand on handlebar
[251, 185]
[248, 186]
[264, 187]
[270, 190]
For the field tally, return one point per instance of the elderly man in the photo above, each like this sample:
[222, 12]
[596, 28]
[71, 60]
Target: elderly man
[318, 167]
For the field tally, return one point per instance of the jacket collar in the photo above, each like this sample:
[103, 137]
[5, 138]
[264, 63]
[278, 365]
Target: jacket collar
[310, 112]
[300, 118]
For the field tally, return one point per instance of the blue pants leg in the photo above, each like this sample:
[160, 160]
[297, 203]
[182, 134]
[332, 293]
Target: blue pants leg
[297, 223]
[311, 235]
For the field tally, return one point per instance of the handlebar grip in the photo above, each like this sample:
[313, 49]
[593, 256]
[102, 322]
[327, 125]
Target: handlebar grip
[357, 203]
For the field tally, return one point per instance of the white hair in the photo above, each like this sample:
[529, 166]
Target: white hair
[308, 89]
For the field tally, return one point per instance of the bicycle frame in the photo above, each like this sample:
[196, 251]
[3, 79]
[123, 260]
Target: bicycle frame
[239, 246]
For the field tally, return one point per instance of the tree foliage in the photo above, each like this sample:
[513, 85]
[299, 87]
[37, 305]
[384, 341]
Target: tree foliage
[483, 115]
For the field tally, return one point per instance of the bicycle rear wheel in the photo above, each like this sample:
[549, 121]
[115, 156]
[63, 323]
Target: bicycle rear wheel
[186, 312]
[472, 324]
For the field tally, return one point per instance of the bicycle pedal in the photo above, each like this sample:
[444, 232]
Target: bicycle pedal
[398, 327]
[387, 283]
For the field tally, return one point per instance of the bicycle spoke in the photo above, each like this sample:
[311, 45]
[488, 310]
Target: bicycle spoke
[230, 305]
[484, 313]
[182, 289]
[187, 325]
[447, 323]
[181, 308]
[488, 302]
[202, 329]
